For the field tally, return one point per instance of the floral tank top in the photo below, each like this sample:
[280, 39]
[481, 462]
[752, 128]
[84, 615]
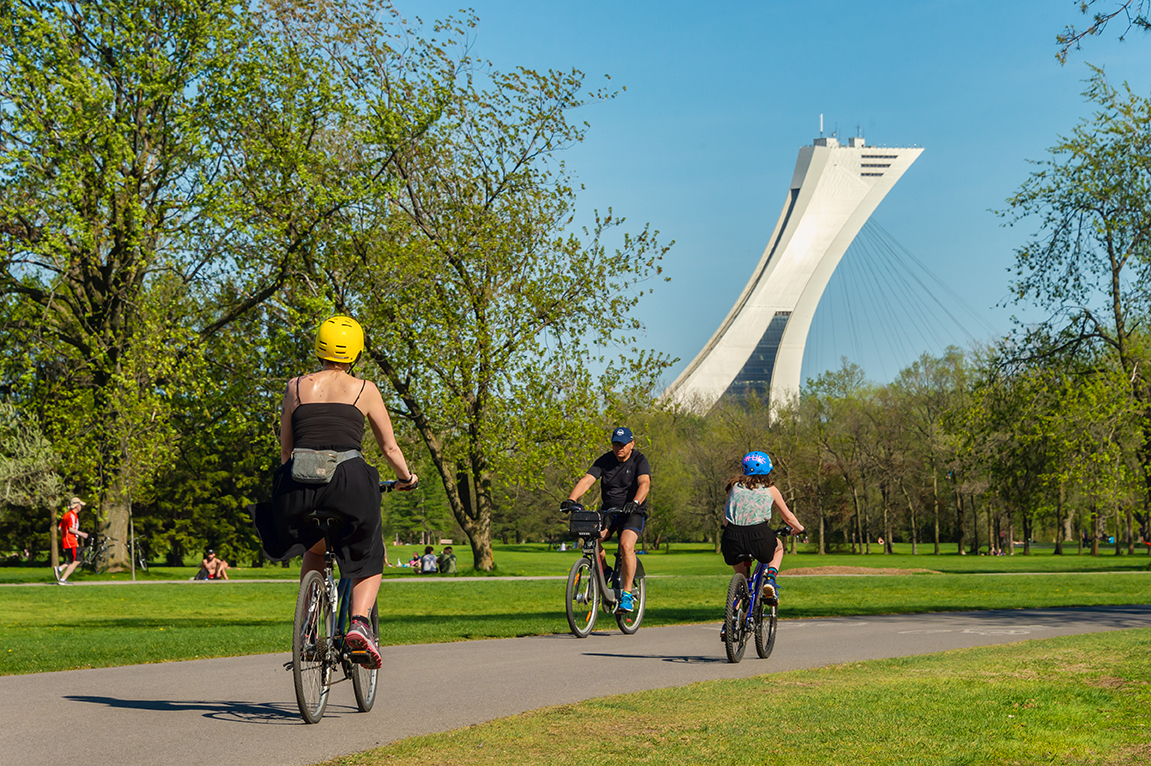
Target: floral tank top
[746, 507]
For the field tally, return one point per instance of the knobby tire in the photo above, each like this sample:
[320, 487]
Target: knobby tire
[735, 618]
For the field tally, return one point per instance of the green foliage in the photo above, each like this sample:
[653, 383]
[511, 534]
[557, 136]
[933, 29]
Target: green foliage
[484, 310]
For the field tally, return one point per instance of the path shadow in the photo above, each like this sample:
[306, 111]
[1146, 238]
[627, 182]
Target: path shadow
[220, 710]
[696, 659]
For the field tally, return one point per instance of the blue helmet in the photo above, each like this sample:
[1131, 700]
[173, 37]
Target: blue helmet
[756, 464]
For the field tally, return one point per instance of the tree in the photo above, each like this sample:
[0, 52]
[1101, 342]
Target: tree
[484, 310]
[928, 388]
[1091, 255]
[28, 480]
[1136, 12]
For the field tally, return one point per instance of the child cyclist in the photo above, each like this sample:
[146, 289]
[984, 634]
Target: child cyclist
[751, 498]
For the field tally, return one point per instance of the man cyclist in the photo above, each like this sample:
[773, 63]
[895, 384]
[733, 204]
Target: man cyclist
[625, 481]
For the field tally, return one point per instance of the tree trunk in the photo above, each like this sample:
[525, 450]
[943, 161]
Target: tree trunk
[1118, 533]
[935, 501]
[857, 533]
[1059, 522]
[1011, 534]
[1130, 531]
[822, 531]
[911, 515]
[960, 538]
[1094, 530]
[885, 495]
[974, 528]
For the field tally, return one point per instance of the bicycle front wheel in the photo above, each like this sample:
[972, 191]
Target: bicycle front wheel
[735, 618]
[582, 598]
[765, 629]
[312, 647]
[629, 621]
[363, 679]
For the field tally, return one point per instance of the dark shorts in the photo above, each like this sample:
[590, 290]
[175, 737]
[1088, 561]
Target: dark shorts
[354, 491]
[617, 522]
[757, 541]
[69, 556]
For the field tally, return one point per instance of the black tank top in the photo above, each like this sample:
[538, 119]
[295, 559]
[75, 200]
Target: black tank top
[327, 425]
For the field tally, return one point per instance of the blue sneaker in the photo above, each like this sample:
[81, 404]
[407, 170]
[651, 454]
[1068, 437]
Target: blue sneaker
[770, 589]
[625, 603]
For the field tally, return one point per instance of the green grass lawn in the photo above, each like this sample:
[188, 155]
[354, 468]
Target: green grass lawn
[535, 560]
[54, 628]
[1071, 700]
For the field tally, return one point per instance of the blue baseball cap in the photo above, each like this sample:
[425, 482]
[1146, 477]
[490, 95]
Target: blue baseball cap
[621, 435]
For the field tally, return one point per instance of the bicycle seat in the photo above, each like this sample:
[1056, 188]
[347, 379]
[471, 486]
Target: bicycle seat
[325, 518]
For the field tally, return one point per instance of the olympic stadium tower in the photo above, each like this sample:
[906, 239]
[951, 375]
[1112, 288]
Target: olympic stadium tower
[759, 346]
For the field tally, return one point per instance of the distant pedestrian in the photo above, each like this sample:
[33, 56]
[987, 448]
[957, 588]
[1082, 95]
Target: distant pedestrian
[70, 530]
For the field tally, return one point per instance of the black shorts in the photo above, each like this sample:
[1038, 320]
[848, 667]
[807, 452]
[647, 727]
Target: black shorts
[69, 556]
[757, 541]
[354, 491]
[617, 522]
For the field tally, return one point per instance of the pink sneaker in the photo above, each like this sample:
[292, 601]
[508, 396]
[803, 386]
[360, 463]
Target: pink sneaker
[360, 638]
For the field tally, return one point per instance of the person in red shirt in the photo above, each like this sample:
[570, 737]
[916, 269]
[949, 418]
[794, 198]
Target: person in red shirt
[70, 529]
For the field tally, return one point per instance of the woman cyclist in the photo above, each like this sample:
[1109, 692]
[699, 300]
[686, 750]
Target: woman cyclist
[325, 410]
[751, 496]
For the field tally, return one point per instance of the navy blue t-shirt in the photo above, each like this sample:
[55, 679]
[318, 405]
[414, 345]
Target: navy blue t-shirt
[620, 481]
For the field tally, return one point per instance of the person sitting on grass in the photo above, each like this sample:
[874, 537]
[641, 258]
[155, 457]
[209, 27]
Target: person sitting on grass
[213, 567]
[751, 497]
[447, 561]
[428, 563]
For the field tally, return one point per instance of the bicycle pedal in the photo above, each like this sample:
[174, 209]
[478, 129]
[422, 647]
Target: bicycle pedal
[359, 658]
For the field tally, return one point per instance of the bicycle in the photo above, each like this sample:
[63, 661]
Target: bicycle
[588, 587]
[745, 615]
[323, 615]
[95, 554]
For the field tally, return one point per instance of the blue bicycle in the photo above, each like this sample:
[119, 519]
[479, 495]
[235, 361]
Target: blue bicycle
[750, 612]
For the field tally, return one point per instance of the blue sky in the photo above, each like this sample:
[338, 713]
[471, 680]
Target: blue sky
[720, 97]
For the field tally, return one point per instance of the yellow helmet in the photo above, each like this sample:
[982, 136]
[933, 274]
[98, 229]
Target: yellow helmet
[340, 339]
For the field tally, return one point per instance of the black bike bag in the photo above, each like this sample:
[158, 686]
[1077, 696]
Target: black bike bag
[585, 523]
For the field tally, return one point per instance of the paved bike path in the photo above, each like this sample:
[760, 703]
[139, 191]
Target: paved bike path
[243, 710]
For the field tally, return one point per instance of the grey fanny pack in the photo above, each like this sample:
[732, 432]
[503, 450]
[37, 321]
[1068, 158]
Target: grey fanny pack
[318, 466]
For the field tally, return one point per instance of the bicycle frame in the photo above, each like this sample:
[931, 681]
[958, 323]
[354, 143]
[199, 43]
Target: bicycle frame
[755, 581]
[592, 548]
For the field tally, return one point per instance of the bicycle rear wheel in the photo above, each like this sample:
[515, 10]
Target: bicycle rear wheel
[312, 647]
[735, 618]
[629, 621]
[582, 598]
[765, 629]
[364, 680]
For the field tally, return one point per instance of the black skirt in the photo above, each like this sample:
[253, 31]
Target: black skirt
[354, 491]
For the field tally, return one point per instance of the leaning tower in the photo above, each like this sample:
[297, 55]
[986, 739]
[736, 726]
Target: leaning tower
[759, 346]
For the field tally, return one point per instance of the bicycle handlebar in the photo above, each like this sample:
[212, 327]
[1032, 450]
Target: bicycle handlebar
[388, 486]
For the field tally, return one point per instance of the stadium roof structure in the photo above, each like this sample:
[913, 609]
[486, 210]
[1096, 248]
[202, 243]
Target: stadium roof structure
[759, 347]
